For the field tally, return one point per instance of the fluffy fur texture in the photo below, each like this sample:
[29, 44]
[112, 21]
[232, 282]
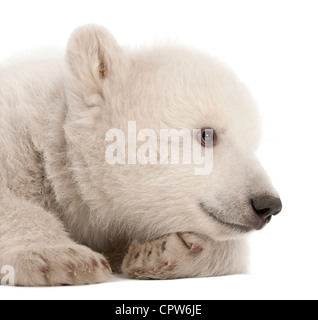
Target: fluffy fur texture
[62, 206]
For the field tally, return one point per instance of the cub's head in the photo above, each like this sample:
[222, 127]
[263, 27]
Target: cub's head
[136, 178]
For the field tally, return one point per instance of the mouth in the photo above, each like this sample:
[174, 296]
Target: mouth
[264, 222]
[236, 227]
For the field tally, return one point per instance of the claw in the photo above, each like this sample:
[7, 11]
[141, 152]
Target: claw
[139, 273]
[195, 248]
[156, 271]
[106, 265]
[94, 263]
[71, 269]
[45, 272]
[171, 265]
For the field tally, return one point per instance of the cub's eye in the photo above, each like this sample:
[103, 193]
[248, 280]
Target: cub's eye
[208, 138]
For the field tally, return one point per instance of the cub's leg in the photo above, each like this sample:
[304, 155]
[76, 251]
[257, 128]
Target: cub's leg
[33, 242]
[184, 255]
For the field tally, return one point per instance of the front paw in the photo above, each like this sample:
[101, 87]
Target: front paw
[61, 265]
[169, 257]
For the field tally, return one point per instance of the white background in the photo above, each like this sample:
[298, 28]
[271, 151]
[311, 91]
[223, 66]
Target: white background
[273, 46]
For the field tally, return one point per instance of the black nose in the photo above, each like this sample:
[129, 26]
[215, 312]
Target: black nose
[267, 206]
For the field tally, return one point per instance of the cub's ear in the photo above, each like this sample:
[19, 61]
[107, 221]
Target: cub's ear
[94, 57]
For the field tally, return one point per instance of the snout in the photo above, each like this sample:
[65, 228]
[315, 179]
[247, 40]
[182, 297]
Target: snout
[266, 207]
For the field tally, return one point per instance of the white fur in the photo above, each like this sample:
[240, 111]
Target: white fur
[53, 118]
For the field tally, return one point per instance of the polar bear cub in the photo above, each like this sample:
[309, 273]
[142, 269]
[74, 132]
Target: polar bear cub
[69, 215]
